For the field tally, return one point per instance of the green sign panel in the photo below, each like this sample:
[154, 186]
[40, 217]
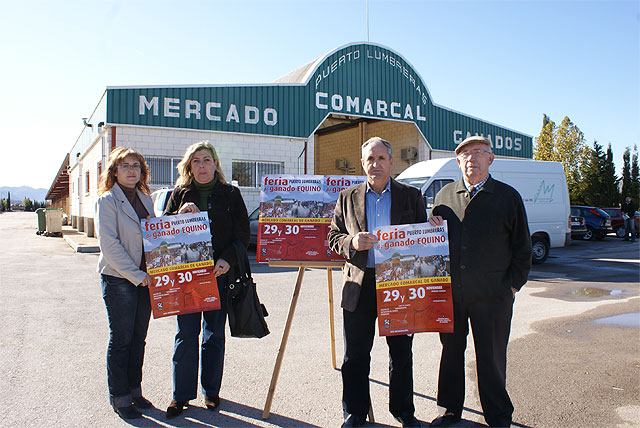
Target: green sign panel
[358, 80]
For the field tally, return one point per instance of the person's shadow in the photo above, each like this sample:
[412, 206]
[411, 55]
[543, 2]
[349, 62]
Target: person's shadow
[229, 414]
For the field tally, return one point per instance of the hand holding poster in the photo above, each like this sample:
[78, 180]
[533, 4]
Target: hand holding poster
[413, 280]
[179, 257]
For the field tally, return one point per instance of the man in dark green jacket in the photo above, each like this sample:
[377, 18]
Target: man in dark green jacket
[490, 249]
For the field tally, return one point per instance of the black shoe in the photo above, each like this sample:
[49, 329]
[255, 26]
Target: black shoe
[408, 420]
[141, 402]
[127, 412]
[446, 420]
[175, 408]
[212, 403]
[354, 421]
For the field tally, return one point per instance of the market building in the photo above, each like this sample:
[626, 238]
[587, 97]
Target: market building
[313, 120]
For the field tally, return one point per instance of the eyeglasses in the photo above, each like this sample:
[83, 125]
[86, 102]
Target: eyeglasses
[467, 154]
[130, 166]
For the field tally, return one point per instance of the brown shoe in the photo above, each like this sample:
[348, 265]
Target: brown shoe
[212, 403]
[175, 408]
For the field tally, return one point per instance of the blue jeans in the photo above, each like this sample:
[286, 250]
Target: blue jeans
[630, 227]
[128, 312]
[185, 352]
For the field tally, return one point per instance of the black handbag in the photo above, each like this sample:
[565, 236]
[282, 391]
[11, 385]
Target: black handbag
[246, 313]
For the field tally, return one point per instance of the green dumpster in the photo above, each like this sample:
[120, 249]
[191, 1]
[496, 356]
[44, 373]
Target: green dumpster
[42, 223]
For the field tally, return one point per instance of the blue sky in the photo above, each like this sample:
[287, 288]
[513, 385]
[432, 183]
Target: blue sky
[505, 62]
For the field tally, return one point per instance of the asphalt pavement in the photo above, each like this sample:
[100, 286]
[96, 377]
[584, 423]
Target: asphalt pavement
[569, 362]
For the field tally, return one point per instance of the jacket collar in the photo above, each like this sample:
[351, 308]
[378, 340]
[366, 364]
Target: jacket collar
[360, 201]
[489, 185]
[127, 208]
[359, 205]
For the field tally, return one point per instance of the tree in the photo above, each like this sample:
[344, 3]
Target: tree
[545, 143]
[610, 180]
[626, 173]
[599, 177]
[592, 175]
[565, 144]
[2, 202]
[574, 155]
[28, 205]
[635, 175]
[8, 201]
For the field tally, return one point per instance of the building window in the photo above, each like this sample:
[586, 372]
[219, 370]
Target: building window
[99, 170]
[163, 171]
[88, 189]
[249, 173]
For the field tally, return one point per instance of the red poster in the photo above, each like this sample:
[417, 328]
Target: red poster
[179, 257]
[295, 215]
[413, 280]
[293, 239]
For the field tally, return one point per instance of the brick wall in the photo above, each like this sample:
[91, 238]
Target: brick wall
[346, 144]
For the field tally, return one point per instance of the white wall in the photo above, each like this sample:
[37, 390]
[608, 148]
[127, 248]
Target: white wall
[230, 147]
[82, 203]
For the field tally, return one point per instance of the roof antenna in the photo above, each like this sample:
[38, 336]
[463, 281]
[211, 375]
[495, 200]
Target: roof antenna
[367, 20]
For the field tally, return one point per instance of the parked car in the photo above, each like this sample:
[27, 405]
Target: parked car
[253, 224]
[617, 222]
[598, 221]
[160, 200]
[578, 227]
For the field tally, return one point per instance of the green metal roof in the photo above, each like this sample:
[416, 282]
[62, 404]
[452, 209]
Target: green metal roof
[356, 80]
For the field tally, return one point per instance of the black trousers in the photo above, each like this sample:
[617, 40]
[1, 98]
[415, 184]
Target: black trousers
[359, 332]
[491, 325]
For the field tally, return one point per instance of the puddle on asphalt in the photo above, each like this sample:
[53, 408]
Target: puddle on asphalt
[596, 292]
[625, 320]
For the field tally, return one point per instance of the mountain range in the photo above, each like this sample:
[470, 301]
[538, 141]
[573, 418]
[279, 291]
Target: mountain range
[19, 193]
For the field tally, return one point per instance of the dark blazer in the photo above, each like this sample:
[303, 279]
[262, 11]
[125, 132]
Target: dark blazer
[489, 239]
[350, 217]
[228, 217]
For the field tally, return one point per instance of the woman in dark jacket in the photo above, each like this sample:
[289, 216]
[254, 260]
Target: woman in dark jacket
[202, 187]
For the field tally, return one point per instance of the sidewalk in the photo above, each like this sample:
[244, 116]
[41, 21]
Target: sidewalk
[79, 241]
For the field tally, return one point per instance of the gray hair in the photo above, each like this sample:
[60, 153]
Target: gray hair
[375, 140]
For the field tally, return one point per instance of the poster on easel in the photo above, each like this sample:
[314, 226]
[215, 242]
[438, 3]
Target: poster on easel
[179, 257]
[413, 279]
[295, 215]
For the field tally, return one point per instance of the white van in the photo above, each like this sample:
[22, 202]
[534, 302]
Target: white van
[542, 186]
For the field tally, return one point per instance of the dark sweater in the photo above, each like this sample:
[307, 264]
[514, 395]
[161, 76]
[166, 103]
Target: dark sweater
[489, 240]
[132, 196]
[228, 218]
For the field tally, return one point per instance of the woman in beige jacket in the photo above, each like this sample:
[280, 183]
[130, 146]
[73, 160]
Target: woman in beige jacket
[124, 200]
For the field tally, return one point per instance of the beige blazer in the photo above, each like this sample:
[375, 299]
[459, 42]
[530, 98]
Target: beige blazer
[120, 235]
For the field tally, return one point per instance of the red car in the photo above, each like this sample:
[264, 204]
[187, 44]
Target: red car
[617, 222]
